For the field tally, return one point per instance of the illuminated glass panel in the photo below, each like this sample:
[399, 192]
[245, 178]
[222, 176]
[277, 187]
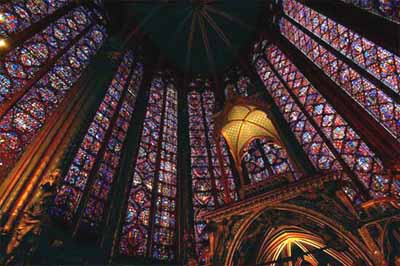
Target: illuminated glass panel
[165, 220]
[203, 195]
[18, 15]
[382, 64]
[22, 64]
[110, 159]
[242, 86]
[384, 109]
[387, 8]
[307, 135]
[150, 222]
[208, 186]
[265, 160]
[70, 194]
[24, 120]
[208, 101]
[353, 151]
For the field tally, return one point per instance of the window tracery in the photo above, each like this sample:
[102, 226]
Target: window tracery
[150, 221]
[17, 15]
[20, 124]
[263, 160]
[381, 63]
[372, 98]
[101, 148]
[328, 139]
[208, 186]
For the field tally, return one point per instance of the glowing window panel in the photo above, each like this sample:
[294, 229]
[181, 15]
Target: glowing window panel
[150, 223]
[110, 159]
[383, 108]
[165, 220]
[205, 164]
[24, 120]
[317, 150]
[81, 168]
[264, 161]
[18, 15]
[25, 62]
[353, 151]
[389, 9]
[382, 64]
[242, 86]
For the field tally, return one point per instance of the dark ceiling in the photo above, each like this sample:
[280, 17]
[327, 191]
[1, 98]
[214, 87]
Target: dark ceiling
[198, 37]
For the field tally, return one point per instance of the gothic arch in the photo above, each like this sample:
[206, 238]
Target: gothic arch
[261, 218]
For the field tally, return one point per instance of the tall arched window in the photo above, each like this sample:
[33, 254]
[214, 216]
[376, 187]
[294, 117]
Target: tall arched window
[382, 64]
[389, 9]
[237, 81]
[263, 161]
[18, 15]
[242, 86]
[209, 180]
[150, 221]
[26, 112]
[329, 140]
[95, 164]
[372, 98]
[28, 62]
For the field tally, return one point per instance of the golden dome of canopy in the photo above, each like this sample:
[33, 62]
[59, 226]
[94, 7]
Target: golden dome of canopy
[240, 123]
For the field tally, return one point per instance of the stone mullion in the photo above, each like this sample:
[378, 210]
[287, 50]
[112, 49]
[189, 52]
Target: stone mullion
[260, 147]
[109, 202]
[181, 209]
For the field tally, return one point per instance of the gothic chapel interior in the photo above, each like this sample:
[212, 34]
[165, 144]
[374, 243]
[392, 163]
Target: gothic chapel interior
[200, 132]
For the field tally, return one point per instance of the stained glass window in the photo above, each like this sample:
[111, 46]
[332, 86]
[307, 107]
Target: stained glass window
[25, 63]
[242, 85]
[382, 64]
[209, 181]
[20, 124]
[101, 146]
[100, 189]
[383, 108]
[150, 221]
[327, 138]
[17, 15]
[387, 8]
[264, 160]
[239, 82]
